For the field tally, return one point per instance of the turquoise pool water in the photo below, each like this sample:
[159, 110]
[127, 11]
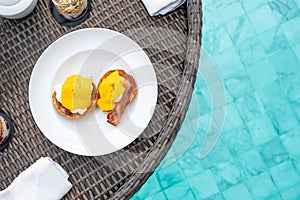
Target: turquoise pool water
[254, 46]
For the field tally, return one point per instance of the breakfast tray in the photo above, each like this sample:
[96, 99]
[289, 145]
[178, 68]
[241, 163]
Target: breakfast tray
[172, 42]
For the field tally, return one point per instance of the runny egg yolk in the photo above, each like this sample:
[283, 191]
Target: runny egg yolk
[76, 92]
[110, 89]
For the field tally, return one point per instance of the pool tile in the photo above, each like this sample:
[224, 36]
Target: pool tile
[251, 51]
[135, 197]
[262, 19]
[228, 62]
[283, 118]
[217, 40]
[240, 29]
[291, 29]
[262, 130]
[292, 193]
[204, 185]
[273, 40]
[238, 141]
[285, 67]
[273, 152]
[285, 175]
[157, 196]
[191, 164]
[250, 106]
[237, 192]
[291, 141]
[211, 19]
[251, 163]
[291, 86]
[219, 154]
[170, 175]
[252, 4]
[238, 84]
[229, 11]
[284, 10]
[261, 186]
[178, 192]
[232, 118]
[262, 73]
[226, 175]
[273, 96]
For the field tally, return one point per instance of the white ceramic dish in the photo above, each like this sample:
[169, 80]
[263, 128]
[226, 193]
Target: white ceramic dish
[91, 52]
[15, 9]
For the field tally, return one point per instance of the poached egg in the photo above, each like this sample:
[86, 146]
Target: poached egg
[75, 93]
[110, 89]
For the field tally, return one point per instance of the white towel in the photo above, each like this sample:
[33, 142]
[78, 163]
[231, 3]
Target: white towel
[161, 7]
[44, 179]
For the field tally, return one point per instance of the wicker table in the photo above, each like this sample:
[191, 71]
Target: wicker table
[172, 43]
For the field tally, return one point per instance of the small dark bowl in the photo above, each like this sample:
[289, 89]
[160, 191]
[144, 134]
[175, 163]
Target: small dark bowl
[70, 22]
[4, 143]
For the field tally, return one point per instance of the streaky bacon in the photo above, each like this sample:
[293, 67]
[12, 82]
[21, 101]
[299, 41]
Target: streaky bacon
[115, 115]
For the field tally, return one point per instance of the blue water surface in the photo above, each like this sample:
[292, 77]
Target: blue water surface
[254, 45]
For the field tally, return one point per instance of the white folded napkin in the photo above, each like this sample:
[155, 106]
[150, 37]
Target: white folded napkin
[45, 179]
[161, 7]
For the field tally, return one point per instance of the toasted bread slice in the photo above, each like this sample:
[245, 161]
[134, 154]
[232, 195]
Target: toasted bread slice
[67, 113]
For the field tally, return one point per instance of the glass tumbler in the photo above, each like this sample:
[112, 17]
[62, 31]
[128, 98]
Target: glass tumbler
[70, 9]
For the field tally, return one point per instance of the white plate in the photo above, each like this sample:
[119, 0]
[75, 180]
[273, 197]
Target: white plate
[91, 52]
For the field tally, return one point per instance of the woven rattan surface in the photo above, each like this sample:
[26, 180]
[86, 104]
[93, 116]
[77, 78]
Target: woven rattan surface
[172, 43]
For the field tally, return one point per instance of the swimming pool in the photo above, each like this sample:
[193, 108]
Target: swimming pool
[241, 135]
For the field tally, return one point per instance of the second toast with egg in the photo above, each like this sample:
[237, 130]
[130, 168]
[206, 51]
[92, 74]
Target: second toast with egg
[124, 86]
